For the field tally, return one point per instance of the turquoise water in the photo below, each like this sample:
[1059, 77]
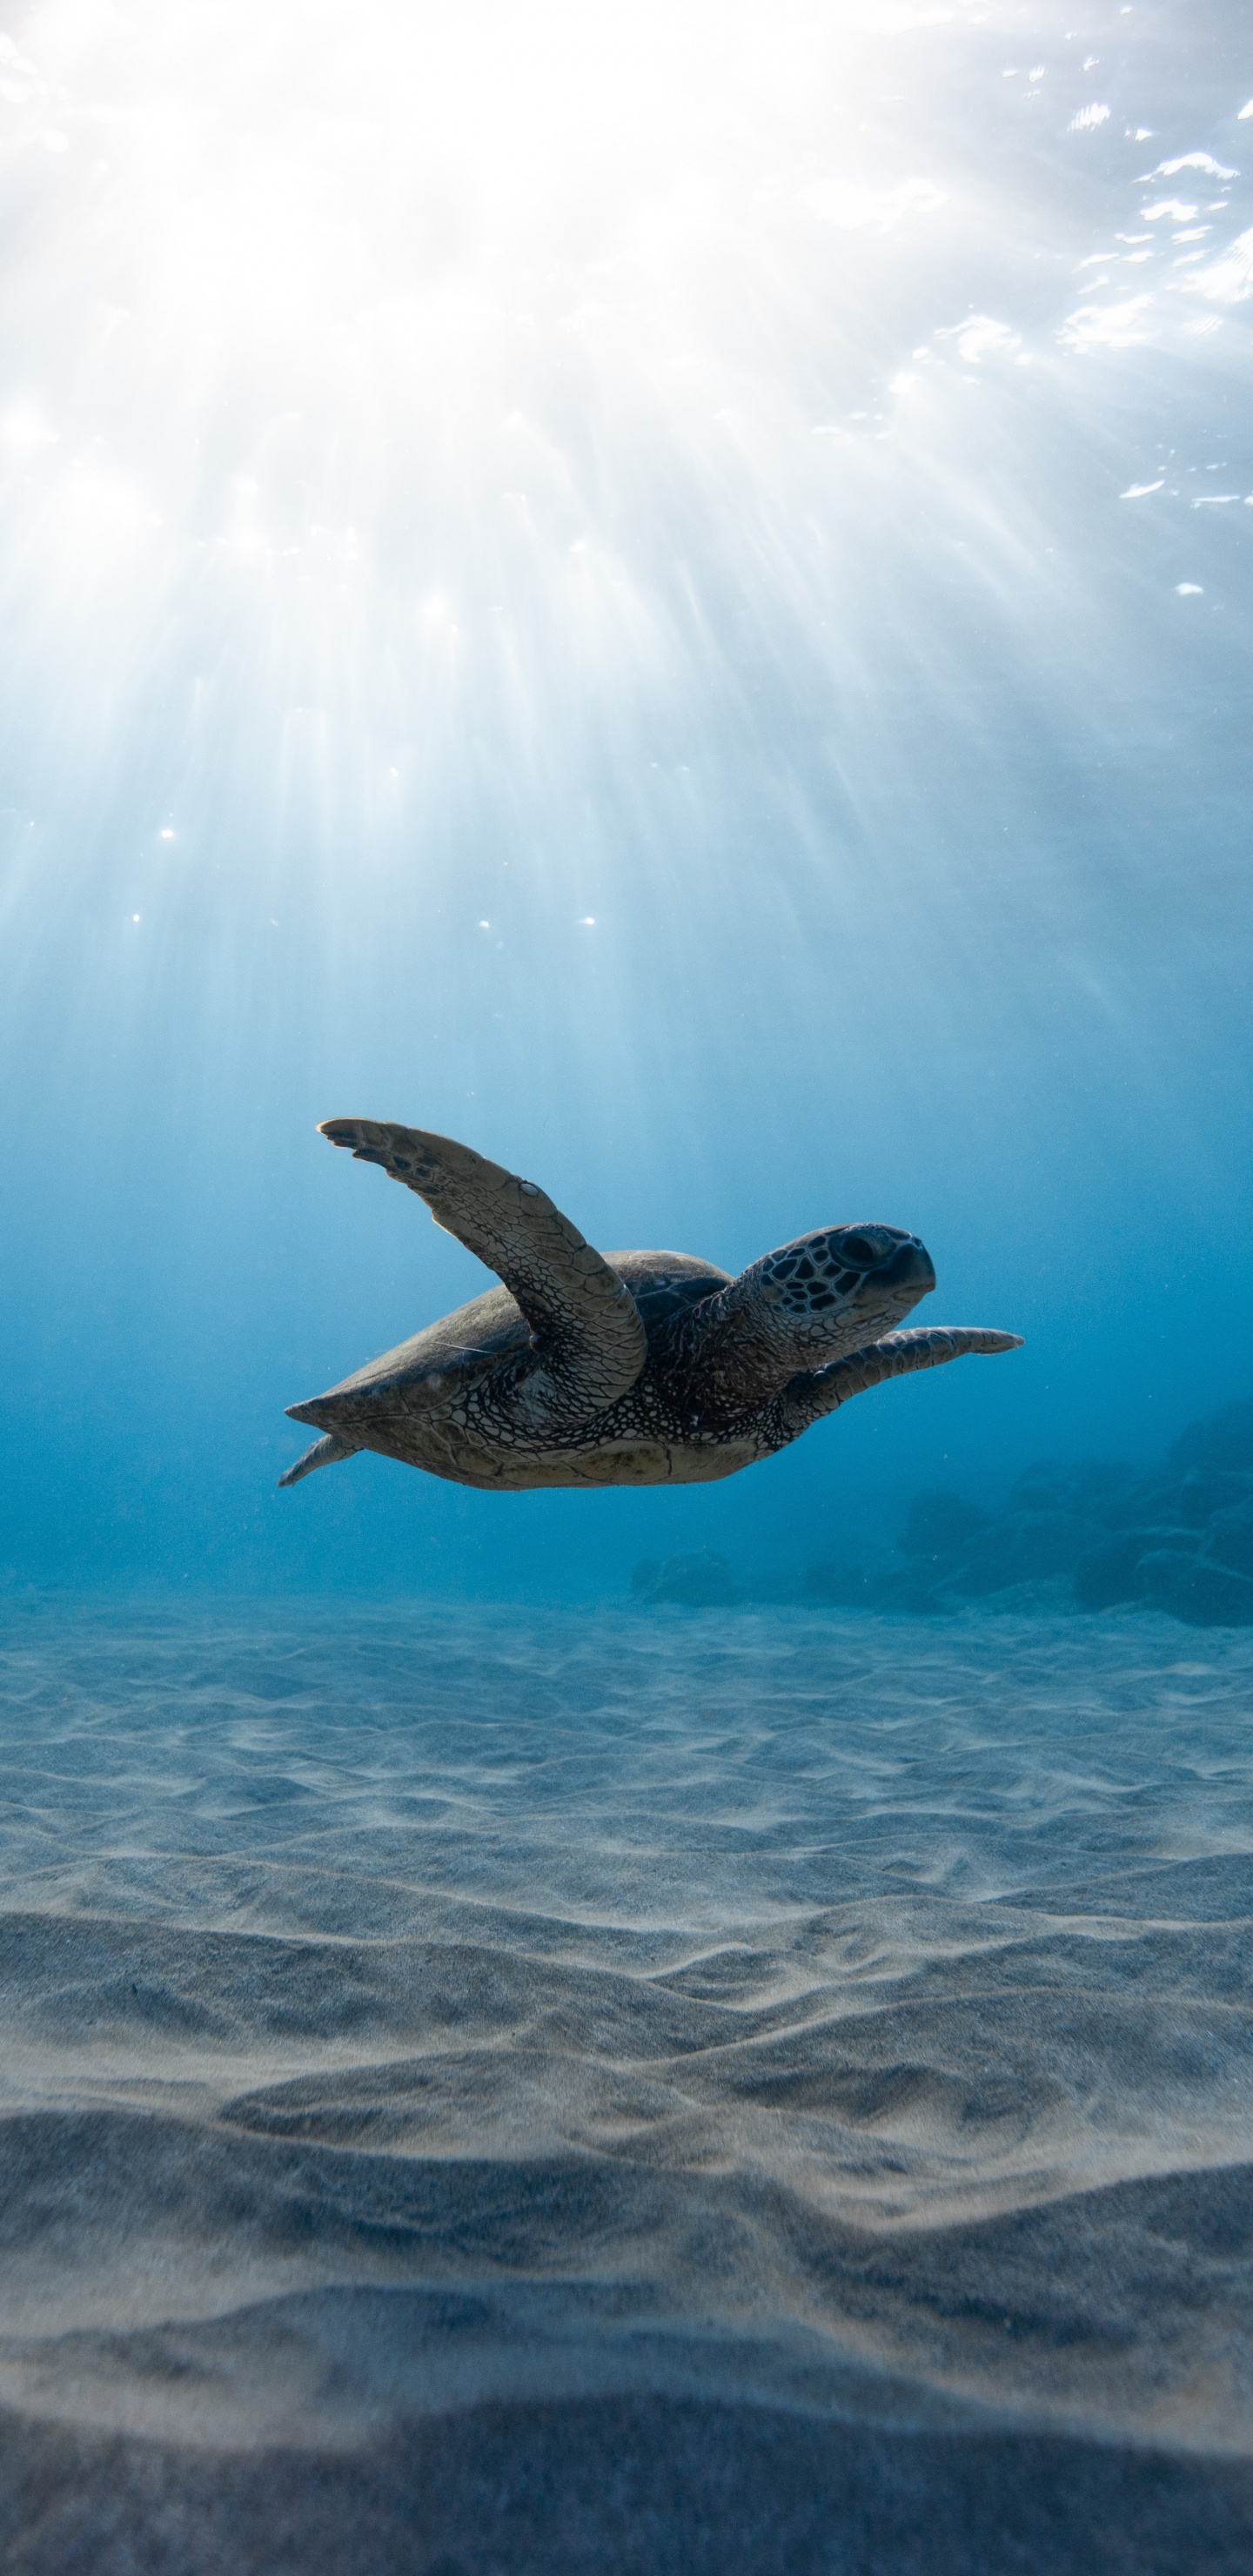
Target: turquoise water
[671, 601]
[666, 594]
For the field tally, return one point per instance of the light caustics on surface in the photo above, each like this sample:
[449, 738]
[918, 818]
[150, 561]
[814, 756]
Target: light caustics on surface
[401, 405]
[549, 550]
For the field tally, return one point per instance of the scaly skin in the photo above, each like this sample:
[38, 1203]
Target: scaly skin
[636, 1368]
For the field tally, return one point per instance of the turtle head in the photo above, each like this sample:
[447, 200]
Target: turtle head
[833, 1291]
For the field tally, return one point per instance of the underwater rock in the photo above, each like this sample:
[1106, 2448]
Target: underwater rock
[1082, 1489]
[954, 1548]
[1203, 1492]
[1086, 1534]
[1229, 1540]
[1024, 1547]
[1195, 1589]
[940, 1522]
[1107, 1575]
[1222, 1440]
[1176, 1537]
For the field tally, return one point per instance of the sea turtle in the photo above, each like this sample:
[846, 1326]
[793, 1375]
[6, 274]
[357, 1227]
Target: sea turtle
[626, 1368]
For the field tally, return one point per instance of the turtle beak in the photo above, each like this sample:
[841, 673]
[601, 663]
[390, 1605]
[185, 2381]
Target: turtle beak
[899, 1281]
[910, 1266]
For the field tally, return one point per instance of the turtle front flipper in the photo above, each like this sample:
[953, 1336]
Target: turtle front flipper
[588, 1338]
[819, 1391]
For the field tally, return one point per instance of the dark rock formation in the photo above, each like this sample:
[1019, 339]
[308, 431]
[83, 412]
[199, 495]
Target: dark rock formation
[1097, 1533]
[1093, 1535]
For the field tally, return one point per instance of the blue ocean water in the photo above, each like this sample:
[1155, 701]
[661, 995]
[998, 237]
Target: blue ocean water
[667, 594]
[670, 599]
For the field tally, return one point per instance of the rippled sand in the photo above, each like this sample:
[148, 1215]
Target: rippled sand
[499, 2092]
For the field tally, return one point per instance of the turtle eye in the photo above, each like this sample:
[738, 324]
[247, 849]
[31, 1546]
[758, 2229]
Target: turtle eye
[856, 1247]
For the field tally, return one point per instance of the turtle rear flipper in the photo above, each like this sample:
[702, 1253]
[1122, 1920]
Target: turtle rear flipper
[323, 1453]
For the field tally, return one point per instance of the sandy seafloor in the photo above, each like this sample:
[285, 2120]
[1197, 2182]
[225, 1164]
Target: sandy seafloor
[492, 2091]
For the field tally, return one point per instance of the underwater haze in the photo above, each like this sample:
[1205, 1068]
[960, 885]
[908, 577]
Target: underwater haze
[665, 593]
